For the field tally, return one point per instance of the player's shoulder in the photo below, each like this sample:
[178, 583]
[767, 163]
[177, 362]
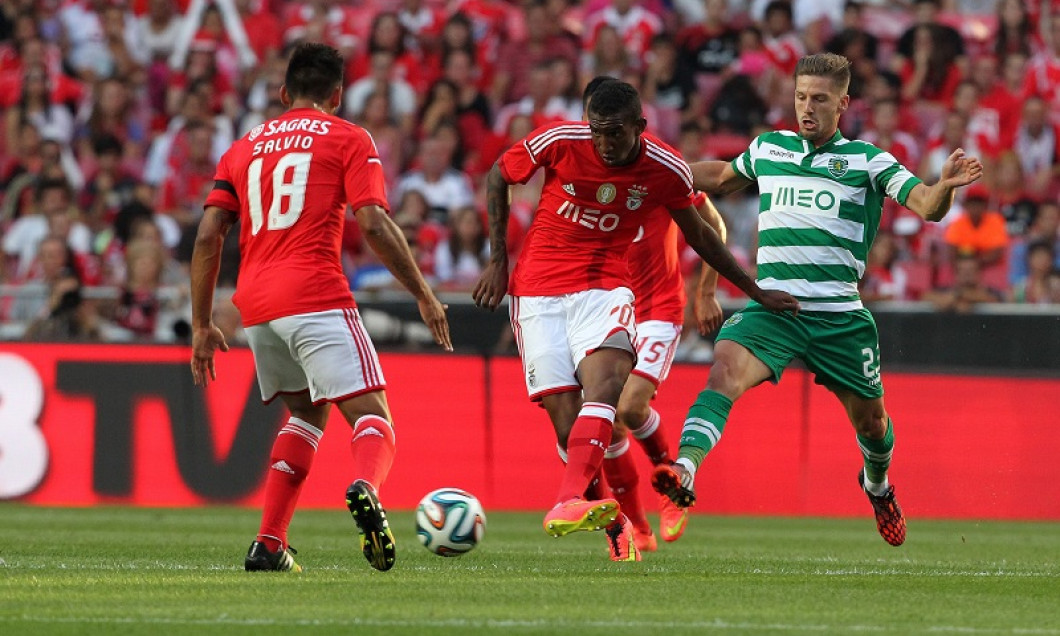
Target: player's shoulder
[858, 147]
[561, 133]
[666, 157]
[782, 138]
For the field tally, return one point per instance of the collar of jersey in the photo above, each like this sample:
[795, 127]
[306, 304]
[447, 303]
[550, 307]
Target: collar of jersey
[836, 137]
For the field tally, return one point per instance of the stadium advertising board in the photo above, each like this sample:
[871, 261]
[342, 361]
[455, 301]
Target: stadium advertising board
[97, 424]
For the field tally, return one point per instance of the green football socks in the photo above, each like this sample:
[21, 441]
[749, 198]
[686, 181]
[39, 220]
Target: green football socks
[703, 426]
[877, 454]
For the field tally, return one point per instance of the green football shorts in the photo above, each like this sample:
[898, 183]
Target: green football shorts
[841, 349]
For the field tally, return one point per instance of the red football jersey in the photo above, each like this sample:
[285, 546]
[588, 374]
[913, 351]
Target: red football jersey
[589, 213]
[290, 180]
[655, 269]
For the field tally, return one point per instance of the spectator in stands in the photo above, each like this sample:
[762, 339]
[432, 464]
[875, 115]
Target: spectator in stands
[473, 108]
[378, 119]
[114, 112]
[189, 178]
[519, 57]
[167, 147]
[110, 188]
[1015, 34]
[53, 214]
[541, 103]
[262, 27]
[782, 43]
[634, 25]
[159, 28]
[607, 56]
[884, 133]
[138, 305]
[711, 46]
[381, 78]
[388, 34]
[1040, 261]
[968, 289]
[460, 260]
[885, 279]
[1043, 74]
[1045, 228]
[947, 41]
[929, 75]
[35, 105]
[980, 232]
[1037, 144]
[53, 302]
[954, 135]
[857, 45]
[121, 36]
[1011, 196]
[444, 188]
[671, 88]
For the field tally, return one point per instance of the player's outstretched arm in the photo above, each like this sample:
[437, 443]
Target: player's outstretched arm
[706, 242]
[933, 202]
[705, 304]
[387, 241]
[206, 338]
[716, 177]
[492, 285]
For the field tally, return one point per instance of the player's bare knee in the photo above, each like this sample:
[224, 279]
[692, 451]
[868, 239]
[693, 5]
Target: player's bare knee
[631, 415]
[872, 426]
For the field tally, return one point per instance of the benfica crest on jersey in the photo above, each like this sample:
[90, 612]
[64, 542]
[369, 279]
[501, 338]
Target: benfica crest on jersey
[636, 197]
[837, 166]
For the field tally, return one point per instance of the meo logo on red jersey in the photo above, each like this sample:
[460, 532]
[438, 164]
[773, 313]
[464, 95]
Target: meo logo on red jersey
[592, 219]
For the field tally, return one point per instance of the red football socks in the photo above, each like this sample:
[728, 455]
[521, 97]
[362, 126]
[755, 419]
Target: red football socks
[290, 461]
[588, 439]
[373, 449]
[652, 438]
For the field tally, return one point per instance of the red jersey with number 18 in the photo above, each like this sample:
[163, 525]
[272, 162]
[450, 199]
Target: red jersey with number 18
[290, 180]
[589, 212]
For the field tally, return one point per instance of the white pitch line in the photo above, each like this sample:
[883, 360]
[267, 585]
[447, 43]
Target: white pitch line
[522, 624]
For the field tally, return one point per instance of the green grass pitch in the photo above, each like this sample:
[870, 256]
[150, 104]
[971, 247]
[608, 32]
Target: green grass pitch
[159, 571]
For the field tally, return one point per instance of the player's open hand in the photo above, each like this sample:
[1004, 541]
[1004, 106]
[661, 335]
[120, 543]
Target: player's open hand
[433, 313]
[960, 170]
[775, 300]
[204, 342]
[491, 287]
[708, 313]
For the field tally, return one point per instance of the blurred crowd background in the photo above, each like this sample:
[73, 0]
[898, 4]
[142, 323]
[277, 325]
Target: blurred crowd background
[114, 114]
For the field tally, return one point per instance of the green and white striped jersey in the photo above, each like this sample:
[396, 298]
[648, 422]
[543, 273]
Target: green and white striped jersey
[819, 211]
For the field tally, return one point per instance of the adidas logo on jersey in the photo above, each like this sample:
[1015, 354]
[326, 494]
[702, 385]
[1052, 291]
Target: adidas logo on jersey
[283, 467]
[569, 188]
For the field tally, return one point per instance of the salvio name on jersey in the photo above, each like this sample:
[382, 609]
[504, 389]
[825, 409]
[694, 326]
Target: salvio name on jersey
[592, 219]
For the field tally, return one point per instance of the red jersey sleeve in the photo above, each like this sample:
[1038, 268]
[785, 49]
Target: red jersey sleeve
[223, 194]
[365, 183]
[522, 160]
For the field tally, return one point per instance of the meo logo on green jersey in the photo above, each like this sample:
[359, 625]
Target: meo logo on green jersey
[809, 199]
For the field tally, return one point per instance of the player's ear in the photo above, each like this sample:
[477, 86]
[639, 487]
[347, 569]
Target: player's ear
[335, 100]
[640, 125]
[844, 102]
[285, 97]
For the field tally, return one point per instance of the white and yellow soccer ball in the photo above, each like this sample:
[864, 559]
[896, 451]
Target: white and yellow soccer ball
[450, 521]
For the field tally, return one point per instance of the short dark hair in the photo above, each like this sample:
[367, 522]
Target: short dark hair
[594, 84]
[52, 183]
[783, 6]
[617, 98]
[314, 71]
[830, 65]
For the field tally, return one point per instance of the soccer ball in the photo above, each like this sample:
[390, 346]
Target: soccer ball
[450, 521]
